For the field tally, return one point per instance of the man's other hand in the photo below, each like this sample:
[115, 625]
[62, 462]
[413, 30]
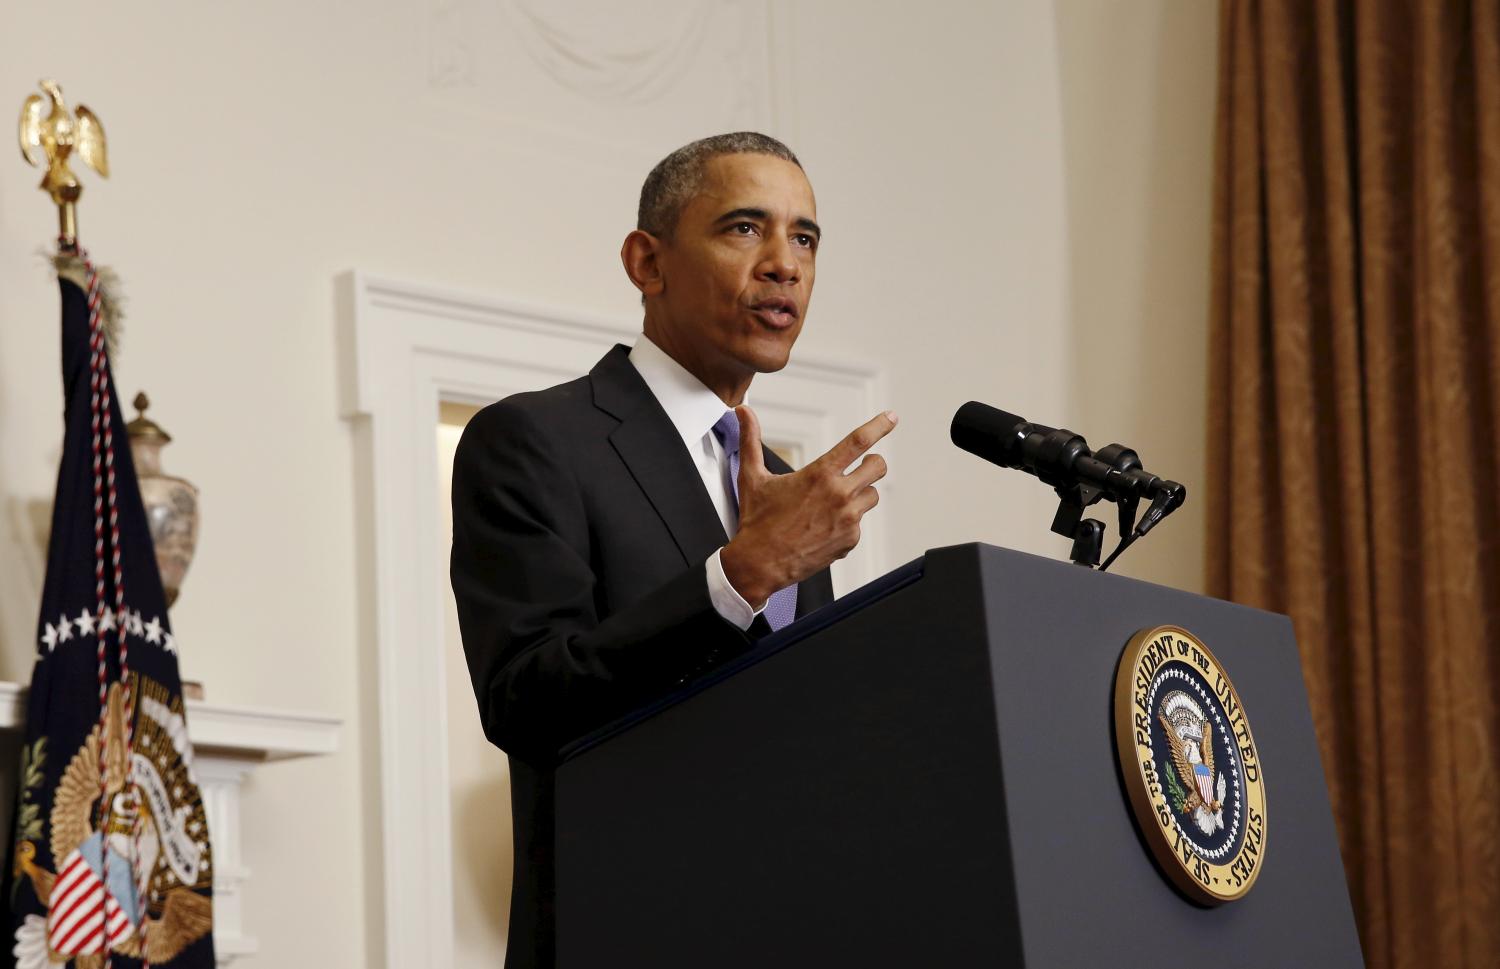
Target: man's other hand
[793, 525]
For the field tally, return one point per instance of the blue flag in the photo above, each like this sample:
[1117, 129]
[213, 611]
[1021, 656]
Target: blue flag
[110, 861]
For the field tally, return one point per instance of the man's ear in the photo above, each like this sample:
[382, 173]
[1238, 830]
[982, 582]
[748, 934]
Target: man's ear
[640, 256]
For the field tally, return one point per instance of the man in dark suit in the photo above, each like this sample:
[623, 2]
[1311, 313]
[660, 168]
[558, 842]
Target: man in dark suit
[611, 537]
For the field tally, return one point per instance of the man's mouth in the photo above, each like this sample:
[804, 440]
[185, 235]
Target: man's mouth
[776, 311]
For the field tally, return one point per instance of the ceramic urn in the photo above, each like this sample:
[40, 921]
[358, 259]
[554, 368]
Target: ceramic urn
[171, 502]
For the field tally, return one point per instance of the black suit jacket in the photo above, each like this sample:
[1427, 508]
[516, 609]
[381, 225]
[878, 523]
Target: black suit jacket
[581, 529]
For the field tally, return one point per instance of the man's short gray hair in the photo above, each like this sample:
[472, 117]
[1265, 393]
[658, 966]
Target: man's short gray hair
[677, 177]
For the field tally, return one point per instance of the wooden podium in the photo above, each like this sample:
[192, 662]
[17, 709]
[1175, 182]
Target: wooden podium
[925, 774]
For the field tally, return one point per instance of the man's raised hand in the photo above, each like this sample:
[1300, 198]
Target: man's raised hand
[794, 525]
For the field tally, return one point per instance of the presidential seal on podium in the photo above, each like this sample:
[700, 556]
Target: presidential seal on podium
[1190, 765]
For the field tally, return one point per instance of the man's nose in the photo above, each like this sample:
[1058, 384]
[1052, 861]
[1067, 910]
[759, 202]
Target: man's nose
[778, 262]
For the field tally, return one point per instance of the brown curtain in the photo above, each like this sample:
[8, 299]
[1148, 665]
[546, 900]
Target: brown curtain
[1355, 428]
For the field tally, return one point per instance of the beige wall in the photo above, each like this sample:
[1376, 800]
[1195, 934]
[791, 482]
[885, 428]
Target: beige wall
[1016, 196]
[1138, 109]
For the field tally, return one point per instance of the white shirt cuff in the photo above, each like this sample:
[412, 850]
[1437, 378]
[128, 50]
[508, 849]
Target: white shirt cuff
[727, 602]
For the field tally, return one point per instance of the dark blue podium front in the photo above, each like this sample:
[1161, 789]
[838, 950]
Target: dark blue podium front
[924, 774]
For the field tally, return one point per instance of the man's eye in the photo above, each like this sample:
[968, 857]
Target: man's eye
[743, 228]
[805, 240]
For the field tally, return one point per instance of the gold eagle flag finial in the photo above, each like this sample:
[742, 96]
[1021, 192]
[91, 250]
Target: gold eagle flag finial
[51, 135]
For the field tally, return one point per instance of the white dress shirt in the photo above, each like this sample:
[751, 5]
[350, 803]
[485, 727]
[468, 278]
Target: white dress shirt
[693, 410]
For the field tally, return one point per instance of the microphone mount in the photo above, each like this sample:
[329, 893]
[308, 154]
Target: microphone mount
[1080, 477]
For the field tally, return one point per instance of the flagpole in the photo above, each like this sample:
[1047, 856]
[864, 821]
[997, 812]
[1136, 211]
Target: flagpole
[118, 872]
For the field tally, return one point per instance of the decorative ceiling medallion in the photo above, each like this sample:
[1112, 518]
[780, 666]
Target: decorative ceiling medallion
[1190, 765]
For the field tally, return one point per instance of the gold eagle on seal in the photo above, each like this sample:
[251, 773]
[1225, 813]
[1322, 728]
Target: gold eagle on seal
[1190, 736]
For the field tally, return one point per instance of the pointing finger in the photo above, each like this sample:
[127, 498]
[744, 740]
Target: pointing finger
[860, 440]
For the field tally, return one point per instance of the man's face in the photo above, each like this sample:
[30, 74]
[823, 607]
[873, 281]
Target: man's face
[737, 273]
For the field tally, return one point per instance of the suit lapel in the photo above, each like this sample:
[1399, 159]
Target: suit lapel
[652, 450]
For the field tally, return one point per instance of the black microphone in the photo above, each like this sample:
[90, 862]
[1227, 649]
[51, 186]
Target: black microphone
[1058, 457]
[1062, 459]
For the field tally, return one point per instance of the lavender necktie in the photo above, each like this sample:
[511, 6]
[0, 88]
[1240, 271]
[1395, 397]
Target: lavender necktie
[782, 607]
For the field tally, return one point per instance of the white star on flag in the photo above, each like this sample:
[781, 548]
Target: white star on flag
[169, 643]
[153, 630]
[85, 623]
[106, 621]
[64, 629]
[50, 637]
[135, 624]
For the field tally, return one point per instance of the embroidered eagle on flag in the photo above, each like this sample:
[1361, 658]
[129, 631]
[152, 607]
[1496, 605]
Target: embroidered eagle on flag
[94, 898]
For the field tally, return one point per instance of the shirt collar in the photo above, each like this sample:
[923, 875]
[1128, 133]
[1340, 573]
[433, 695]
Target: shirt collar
[692, 408]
